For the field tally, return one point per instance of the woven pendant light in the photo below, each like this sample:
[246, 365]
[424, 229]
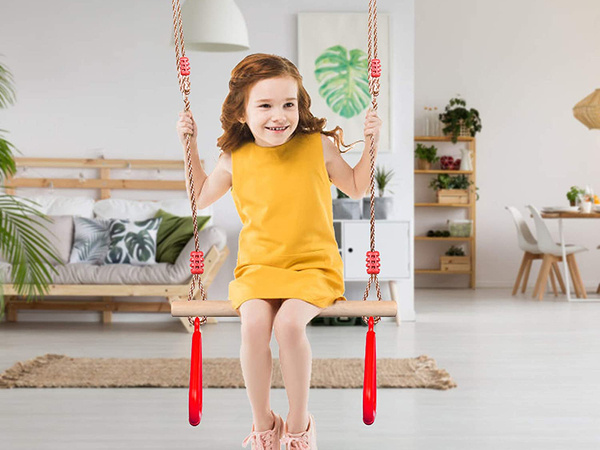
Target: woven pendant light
[587, 111]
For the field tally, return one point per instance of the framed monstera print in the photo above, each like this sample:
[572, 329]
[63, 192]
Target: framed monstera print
[332, 59]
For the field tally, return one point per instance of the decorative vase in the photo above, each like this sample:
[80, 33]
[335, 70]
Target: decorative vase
[346, 208]
[383, 207]
[466, 163]
[423, 164]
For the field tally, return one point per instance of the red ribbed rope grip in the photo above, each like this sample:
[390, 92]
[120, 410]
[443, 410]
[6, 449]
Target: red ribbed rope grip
[373, 262]
[197, 262]
[184, 66]
[375, 68]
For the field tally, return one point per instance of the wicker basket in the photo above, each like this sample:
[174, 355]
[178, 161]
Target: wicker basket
[464, 131]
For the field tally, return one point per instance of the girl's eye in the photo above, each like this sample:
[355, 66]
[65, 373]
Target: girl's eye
[290, 104]
[264, 105]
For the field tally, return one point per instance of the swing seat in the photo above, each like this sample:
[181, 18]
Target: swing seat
[341, 308]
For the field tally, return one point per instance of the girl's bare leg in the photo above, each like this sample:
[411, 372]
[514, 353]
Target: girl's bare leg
[295, 357]
[257, 317]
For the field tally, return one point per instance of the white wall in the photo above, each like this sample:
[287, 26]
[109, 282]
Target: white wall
[523, 65]
[99, 76]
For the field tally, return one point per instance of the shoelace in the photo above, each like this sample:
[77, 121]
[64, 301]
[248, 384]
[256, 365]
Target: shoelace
[261, 440]
[297, 442]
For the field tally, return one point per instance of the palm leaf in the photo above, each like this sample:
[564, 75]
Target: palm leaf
[7, 91]
[7, 163]
[25, 248]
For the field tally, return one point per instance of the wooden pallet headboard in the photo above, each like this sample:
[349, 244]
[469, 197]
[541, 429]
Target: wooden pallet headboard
[102, 180]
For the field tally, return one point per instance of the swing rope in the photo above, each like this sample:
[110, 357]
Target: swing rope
[183, 72]
[374, 74]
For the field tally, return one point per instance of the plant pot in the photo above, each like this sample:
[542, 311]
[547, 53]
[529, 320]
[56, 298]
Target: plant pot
[383, 207]
[460, 196]
[346, 208]
[423, 164]
[464, 131]
[455, 263]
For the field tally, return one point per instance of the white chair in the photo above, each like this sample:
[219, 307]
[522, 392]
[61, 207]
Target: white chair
[531, 252]
[553, 254]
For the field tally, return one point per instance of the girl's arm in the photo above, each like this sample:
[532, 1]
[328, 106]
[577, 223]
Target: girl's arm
[353, 182]
[207, 188]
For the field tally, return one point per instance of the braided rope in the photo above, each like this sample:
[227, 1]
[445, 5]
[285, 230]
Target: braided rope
[184, 87]
[374, 89]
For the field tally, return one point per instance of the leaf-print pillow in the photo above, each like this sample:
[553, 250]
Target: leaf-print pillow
[132, 242]
[91, 240]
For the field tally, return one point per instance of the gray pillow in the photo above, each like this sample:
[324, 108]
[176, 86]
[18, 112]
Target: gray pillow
[59, 232]
[132, 242]
[90, 244]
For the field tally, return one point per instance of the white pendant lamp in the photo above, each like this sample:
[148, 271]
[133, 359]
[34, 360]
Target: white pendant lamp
[214, 26]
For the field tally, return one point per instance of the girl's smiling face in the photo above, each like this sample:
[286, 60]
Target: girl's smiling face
[272, 110]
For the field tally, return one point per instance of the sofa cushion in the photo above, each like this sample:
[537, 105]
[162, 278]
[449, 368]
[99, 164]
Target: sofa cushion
[161, 273]
[119, 208]
[132, 242]
[61, 205]
[90, 244]
[174, 232]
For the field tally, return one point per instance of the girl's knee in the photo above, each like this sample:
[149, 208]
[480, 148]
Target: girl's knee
[288, 328]
[257, 329]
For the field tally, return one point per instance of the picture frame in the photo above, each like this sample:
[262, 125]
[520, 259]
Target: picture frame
[333, 63]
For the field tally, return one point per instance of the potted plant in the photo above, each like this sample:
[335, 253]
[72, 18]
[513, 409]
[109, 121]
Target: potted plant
[460, 121]
[345, 208]
[383, 205]
[573, 193]
[452, 189]
[426, 156]
[24, 248]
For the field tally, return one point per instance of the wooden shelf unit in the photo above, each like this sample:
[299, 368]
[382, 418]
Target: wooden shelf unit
[471, 207]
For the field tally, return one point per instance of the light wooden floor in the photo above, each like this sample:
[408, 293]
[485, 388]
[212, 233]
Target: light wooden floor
[528, 377]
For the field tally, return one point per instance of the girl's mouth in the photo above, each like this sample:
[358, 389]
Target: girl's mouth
[277, 129]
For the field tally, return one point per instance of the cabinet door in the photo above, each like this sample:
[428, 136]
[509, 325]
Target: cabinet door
[391, 241]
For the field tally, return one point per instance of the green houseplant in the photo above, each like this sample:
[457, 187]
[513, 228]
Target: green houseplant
[452, 189]
[383, 205]
[426, 156]
[573, 193]
[20, 244]
[460, 121]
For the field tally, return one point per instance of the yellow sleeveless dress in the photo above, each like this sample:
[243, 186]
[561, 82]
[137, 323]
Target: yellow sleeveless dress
[287, 247]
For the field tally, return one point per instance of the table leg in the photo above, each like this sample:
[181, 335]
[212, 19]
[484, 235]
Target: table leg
[564, 256]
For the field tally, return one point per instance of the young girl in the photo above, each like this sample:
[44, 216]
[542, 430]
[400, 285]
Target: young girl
[280, 164]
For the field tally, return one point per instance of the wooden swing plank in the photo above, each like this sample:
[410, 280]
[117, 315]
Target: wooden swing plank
[348, 308]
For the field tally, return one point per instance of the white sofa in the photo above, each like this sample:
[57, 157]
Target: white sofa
[105, 279]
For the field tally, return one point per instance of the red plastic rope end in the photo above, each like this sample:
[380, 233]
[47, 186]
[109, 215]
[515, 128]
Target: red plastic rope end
[195, 397]
[370, 379]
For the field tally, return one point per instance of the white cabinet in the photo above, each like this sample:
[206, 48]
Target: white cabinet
[392, 240]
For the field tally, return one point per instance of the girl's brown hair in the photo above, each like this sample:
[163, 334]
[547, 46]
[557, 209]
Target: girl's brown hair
[249, 71]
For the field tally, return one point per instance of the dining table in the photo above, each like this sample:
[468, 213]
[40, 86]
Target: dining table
[560, 215]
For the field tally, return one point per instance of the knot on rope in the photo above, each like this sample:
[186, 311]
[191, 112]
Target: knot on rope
[375, 68]
[197, 262]
[184, 66]
[373, 262]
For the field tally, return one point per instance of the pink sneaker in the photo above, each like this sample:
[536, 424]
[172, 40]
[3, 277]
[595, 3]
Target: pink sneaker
[306, 440]
[266, 440]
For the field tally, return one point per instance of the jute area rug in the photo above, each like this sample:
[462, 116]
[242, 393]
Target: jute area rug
[60, 371]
